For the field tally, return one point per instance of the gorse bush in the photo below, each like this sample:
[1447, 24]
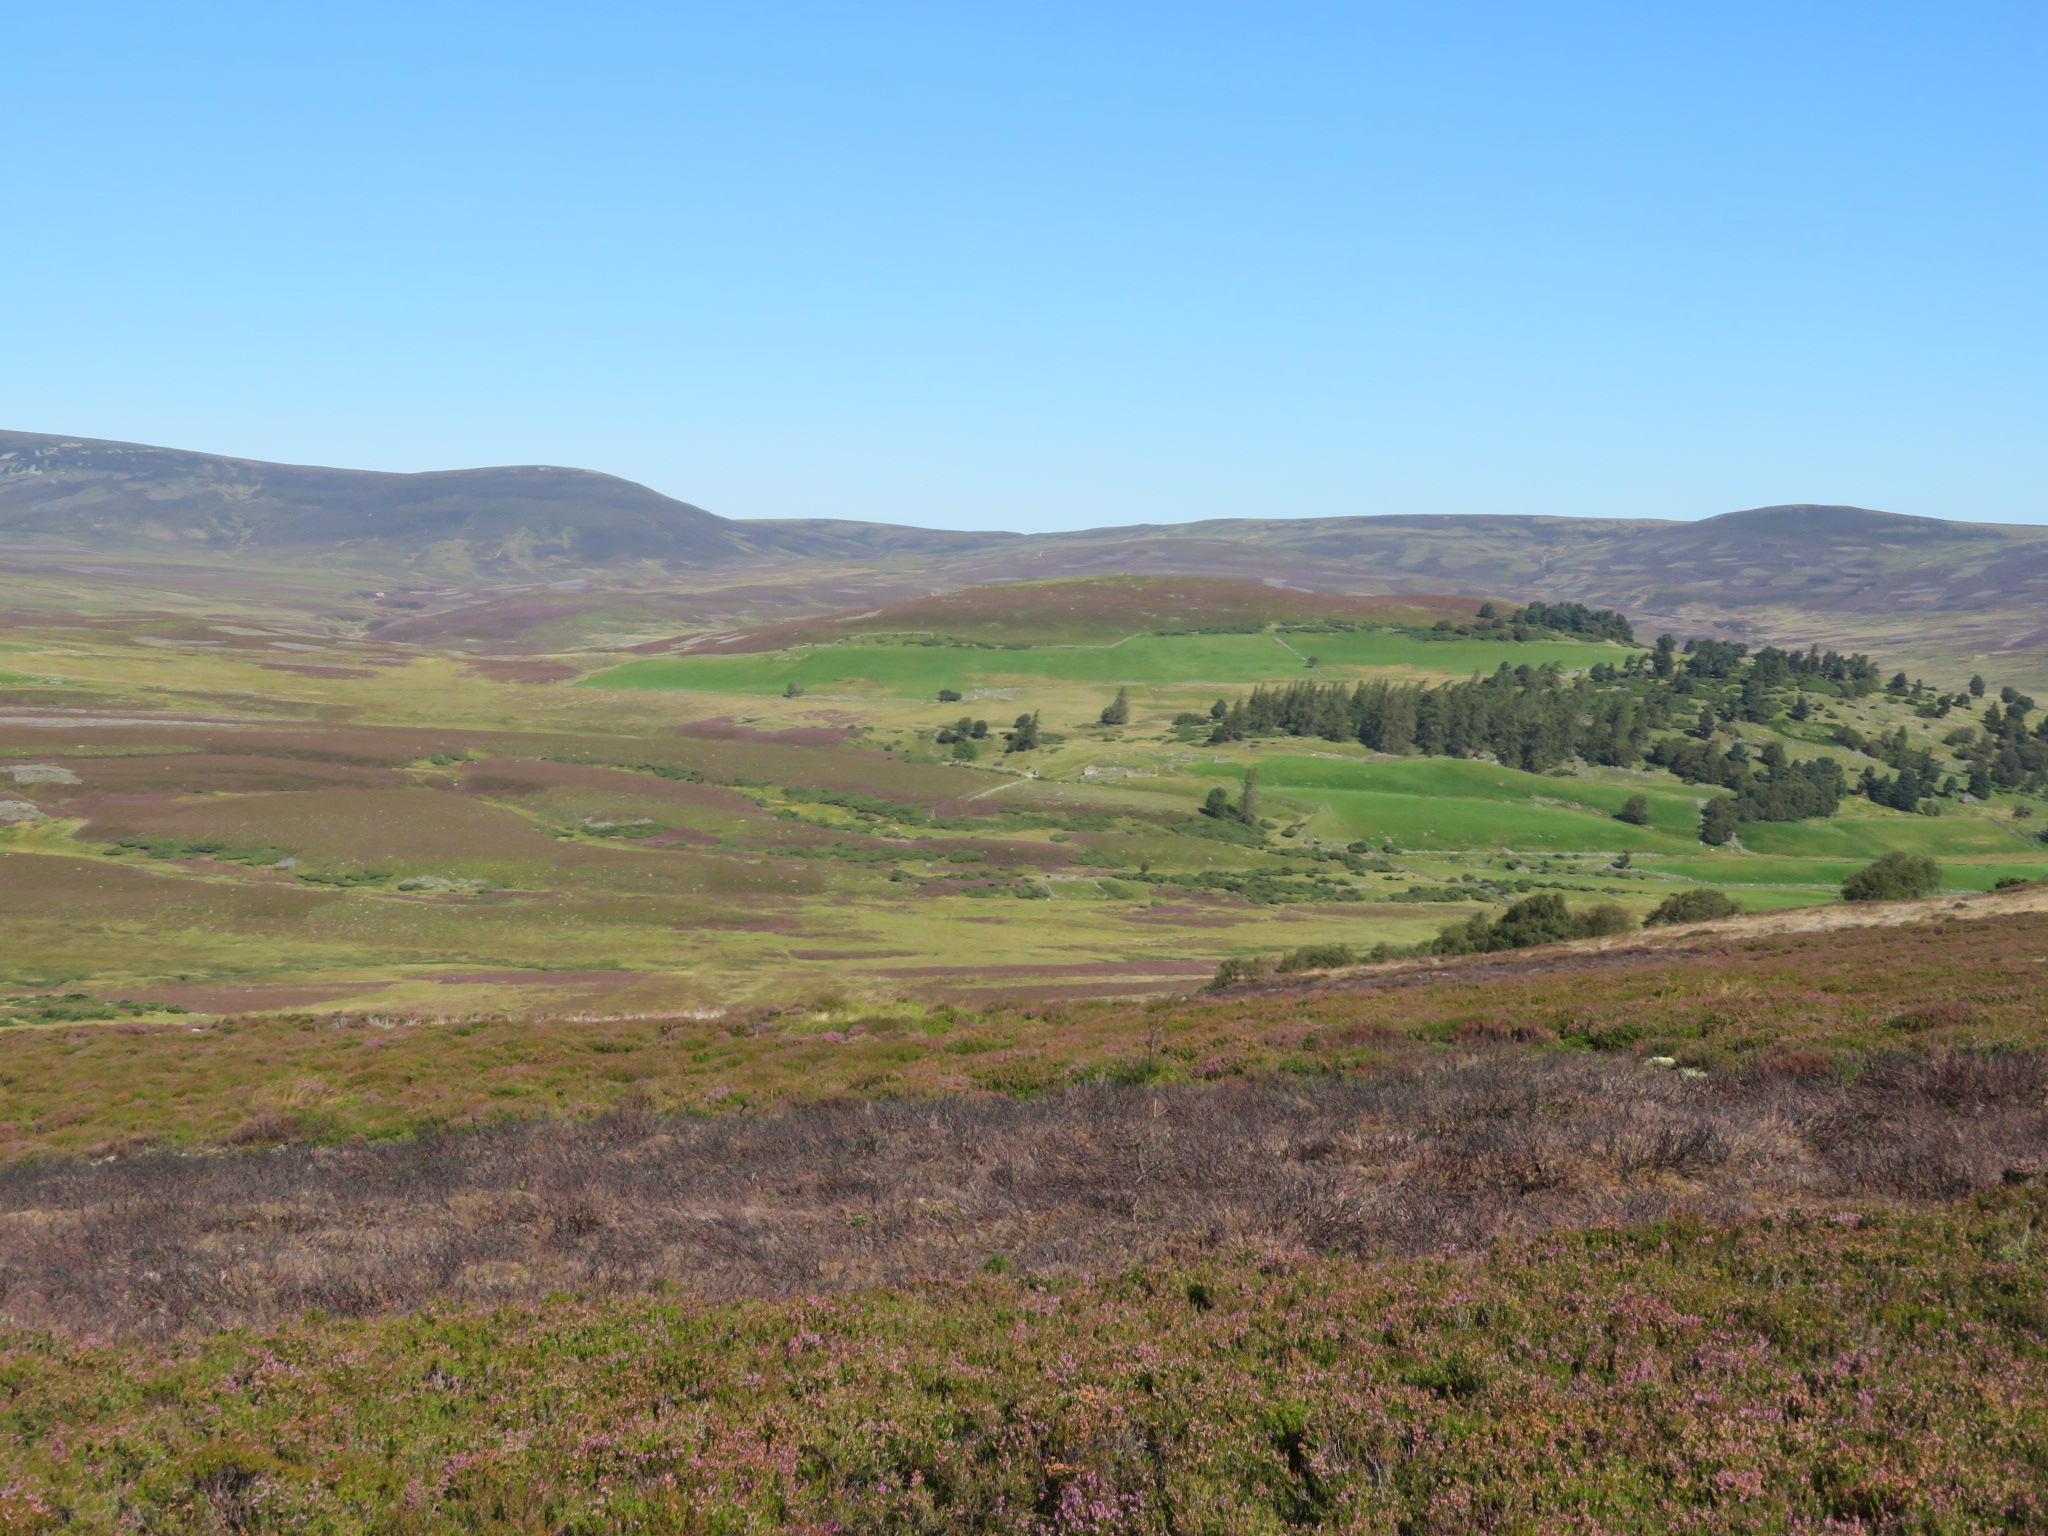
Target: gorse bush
[1895, 877]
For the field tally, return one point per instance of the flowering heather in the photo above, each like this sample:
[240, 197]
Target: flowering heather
[1710, 1003]
[1092, 1179]
[1853, 1373]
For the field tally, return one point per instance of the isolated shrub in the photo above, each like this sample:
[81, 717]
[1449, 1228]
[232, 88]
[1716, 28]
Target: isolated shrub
[1538, 919]
[949, 695]
[2010, 882]
[1317, 957]
[1701, 904]
[1602, 921]
[1118, 710]
[1245, 968]
[1895, 877]
[1635, 810]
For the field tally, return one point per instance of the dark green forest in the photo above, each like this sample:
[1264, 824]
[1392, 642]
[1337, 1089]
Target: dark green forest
[1665, 707]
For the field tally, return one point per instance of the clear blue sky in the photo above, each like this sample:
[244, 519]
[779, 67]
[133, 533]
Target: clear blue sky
[1053, 264]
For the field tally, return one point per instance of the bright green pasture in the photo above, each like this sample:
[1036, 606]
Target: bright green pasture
[1441, 802]
[1737, 870]
[918, 671]
[1865, 837]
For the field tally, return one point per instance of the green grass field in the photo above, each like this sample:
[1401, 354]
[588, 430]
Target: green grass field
[1849, 835]
[919, 671]
[1444, 803]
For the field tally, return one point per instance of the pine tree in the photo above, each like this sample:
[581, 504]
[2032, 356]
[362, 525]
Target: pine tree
[1118, 711]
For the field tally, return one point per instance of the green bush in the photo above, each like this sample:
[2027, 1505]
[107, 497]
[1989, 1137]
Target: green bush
[1701, 904]
[1601, 922]
[1895, 877]
[1635, 810]
[1231, 972]
[1317, 957]
[1539, 919]
[1533, 920]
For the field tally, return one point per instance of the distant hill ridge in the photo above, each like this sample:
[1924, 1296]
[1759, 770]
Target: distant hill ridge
[1845, 576]
[94, 494]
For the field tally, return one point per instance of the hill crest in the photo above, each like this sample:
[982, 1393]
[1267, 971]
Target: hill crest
[1083, 610]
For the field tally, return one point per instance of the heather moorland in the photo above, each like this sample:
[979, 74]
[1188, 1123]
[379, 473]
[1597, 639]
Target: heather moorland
[1409, 1065]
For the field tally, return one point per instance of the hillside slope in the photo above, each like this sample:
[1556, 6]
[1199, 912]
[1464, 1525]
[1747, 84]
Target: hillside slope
[85, 494]
[1939, 597]
[1080, 610]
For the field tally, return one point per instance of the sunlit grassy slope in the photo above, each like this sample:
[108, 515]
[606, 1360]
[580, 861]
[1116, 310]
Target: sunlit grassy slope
[619, 890]
[1716, 1002]
[914, 671]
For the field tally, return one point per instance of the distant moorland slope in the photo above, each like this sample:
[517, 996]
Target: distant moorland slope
[1924, 592]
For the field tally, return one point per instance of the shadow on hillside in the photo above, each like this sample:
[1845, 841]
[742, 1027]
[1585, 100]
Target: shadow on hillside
[1093, 1178]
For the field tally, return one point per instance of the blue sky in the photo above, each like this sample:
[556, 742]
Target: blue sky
[1052, 264]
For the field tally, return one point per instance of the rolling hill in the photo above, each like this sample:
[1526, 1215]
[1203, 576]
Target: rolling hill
[538, 558]
[1080, 610]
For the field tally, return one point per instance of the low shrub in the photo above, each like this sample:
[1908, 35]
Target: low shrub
[1894, 877]
[1317, 957]
[1701, 904]
[1238, 970]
